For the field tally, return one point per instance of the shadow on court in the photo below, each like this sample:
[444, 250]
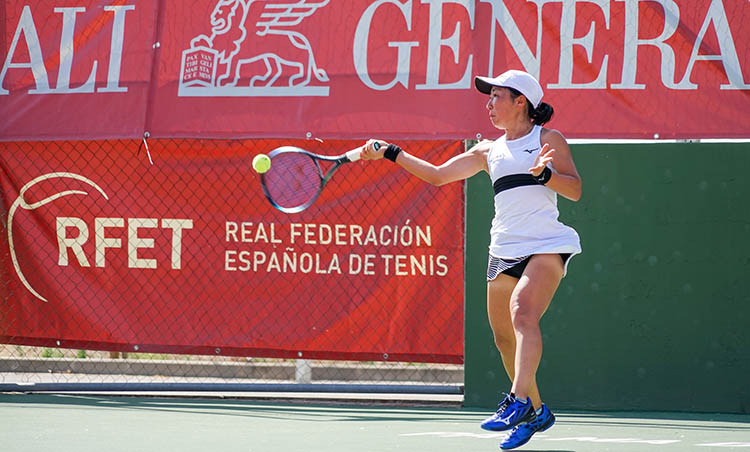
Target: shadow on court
[93, 423]
[308, 412]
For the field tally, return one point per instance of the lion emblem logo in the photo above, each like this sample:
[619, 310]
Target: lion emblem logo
[253, 50]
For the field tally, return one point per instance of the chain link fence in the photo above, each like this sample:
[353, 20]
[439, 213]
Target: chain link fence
[128, 264]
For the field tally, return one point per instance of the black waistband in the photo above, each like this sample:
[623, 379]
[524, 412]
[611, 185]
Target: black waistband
[513, 181]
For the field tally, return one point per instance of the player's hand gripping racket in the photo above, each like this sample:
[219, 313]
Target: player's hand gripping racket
[295, 179]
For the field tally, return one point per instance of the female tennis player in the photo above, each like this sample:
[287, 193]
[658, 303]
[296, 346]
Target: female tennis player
[529, 248]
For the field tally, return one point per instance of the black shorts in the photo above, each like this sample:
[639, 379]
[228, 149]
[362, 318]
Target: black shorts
[513, 267]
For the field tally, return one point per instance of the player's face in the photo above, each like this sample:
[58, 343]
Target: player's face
[500, 107]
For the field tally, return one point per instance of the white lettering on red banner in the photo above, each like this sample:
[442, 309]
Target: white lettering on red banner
[247, 68]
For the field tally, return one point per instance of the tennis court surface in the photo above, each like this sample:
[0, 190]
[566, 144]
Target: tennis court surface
[81, 423]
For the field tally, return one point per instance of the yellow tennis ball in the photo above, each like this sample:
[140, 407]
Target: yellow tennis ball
[261, 163]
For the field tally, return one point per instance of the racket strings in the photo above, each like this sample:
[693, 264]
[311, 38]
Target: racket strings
[293, 180]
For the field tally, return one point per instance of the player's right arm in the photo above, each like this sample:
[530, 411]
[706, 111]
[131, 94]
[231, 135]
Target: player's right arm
[456, 168]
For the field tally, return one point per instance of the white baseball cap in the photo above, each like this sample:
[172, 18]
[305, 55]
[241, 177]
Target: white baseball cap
[521, 81]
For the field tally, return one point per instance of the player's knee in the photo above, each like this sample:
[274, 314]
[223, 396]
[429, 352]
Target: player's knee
[523, 319]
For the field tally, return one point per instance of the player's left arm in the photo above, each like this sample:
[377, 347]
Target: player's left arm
[565, 179]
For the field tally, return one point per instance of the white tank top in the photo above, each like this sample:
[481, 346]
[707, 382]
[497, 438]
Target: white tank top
[525, 220]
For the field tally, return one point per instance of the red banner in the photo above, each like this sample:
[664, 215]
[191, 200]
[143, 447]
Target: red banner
[82, 69]
[107, 251]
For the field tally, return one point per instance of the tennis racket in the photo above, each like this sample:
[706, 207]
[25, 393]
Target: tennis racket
[296, 179]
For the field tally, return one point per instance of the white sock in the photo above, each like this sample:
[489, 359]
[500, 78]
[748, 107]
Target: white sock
[539, 411]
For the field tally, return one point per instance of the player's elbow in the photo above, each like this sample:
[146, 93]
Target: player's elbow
[444, 174]
[438, 182]
[576, 193]
[435, 177]
[440, 179]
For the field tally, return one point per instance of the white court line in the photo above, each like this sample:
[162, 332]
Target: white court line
[594, 439]
[587, 439]
[457, 434]
[590, 439]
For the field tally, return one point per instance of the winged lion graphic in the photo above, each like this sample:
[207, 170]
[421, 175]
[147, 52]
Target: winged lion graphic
[256, 46]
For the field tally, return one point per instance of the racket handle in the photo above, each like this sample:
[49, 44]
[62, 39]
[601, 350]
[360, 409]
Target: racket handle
[355, 154]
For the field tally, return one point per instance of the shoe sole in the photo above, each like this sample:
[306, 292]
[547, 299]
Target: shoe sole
[544, 428]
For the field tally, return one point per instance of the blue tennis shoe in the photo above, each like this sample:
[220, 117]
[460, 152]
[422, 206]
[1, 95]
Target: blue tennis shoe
[510, 412]
[522, 433]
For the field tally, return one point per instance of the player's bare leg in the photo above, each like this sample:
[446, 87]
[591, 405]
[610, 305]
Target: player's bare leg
[530, 299]
[499, 293]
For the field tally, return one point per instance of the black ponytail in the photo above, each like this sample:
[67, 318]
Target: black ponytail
[541, 114]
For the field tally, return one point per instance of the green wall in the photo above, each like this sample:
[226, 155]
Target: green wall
[655, 314]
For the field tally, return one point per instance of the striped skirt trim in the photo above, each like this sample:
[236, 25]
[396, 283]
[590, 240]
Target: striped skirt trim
[497, 265]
